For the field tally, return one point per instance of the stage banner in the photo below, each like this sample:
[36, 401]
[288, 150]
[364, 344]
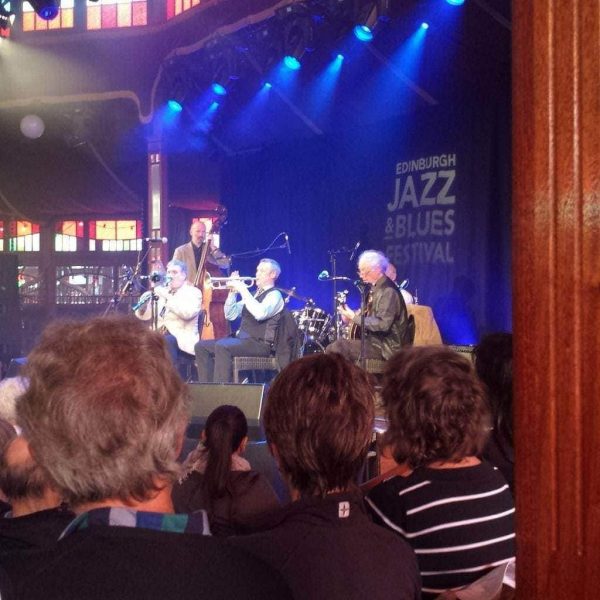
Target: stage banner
[430, 190]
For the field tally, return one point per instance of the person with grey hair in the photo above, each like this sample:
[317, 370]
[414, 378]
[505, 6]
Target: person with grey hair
[10, 390]
[106, 422]
[177, 308]
[386, 317]
[260, 314]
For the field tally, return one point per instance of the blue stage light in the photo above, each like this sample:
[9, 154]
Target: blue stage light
[340, 57]
[424, 25]
[219, 89]
[267, 85]
[291, 62]
[455, 2]
[363, 33]
[174, 105]
[46, 9]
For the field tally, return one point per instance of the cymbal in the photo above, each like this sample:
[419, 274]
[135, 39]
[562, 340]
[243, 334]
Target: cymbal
[292, 294]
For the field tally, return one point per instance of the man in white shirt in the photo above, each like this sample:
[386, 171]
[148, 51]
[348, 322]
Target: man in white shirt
[260, 318]
[177, 309]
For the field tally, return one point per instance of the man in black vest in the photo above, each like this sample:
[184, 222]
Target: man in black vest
[260, 317]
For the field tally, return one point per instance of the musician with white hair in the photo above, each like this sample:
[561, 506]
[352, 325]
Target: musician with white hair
[386, 317]
[177, 306]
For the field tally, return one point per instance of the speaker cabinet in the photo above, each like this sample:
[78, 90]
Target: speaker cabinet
[205, 397]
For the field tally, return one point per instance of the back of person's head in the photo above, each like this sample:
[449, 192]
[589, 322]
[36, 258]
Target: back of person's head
[11, 389]
[20, 476]
[226, 428]
[435, 405]
[319, 421]
[104, 413]
[7, 433]
[493, 363]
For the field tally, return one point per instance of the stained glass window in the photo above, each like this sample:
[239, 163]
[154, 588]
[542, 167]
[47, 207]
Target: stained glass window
[109, 14]
[115, 236]
[67, 234]
[24, 236]
[64, 19]
[176, 7]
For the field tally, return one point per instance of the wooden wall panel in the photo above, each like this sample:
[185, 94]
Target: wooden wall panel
[556, 228]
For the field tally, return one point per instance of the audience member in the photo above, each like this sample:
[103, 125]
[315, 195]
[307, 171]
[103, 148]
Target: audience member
[36, 518]
[493, 363]
[319, 422]
[106, 420]
[217, 478]
[454, 509]
[7, 432]
[10, 390]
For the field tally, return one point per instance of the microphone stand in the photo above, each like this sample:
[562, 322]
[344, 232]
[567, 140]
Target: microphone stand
[362, 287]
[127, 286]
[333, 261]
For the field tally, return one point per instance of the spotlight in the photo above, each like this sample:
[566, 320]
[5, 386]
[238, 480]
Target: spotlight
[363, 33]
[46, 9]
[291, 62]
[369, 17]
[455, 2]
[267, 85]
[7, 17]
[424, 25]
[219, 89]
[298, 35]
[225, 58]
[174, 105]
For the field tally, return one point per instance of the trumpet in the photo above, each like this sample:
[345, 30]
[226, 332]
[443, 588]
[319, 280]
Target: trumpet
[220, 283]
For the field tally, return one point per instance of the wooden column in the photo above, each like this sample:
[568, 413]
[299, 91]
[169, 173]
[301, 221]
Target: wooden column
[556, 219]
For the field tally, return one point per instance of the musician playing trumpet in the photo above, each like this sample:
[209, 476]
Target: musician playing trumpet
[260, 314]
[177, 307]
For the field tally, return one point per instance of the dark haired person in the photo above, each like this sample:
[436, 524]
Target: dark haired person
[106, 422]
[318, 422]
[455, 510]
[35, 518]
[217, 477]
[493, 363]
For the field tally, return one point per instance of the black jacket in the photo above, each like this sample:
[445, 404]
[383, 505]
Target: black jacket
[387, 318]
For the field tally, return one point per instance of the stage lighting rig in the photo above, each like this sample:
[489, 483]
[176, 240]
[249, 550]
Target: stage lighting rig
[46, 9]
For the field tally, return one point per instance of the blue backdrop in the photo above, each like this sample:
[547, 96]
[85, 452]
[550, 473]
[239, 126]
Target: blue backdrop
[431, 190]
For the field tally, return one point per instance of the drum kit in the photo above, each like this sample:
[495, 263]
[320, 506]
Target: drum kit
[318, 327]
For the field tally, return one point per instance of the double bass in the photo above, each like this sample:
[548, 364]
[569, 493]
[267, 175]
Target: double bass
[215, 325]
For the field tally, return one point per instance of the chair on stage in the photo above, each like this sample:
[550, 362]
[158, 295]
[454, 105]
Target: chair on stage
[286, 348]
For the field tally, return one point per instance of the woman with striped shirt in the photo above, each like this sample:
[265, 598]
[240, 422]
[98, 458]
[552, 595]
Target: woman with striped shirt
[455, 510]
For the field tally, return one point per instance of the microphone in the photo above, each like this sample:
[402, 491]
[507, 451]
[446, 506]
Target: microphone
[404, 284]
[287, 243]
[162, 240]
[356, 247]
[324, 276]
